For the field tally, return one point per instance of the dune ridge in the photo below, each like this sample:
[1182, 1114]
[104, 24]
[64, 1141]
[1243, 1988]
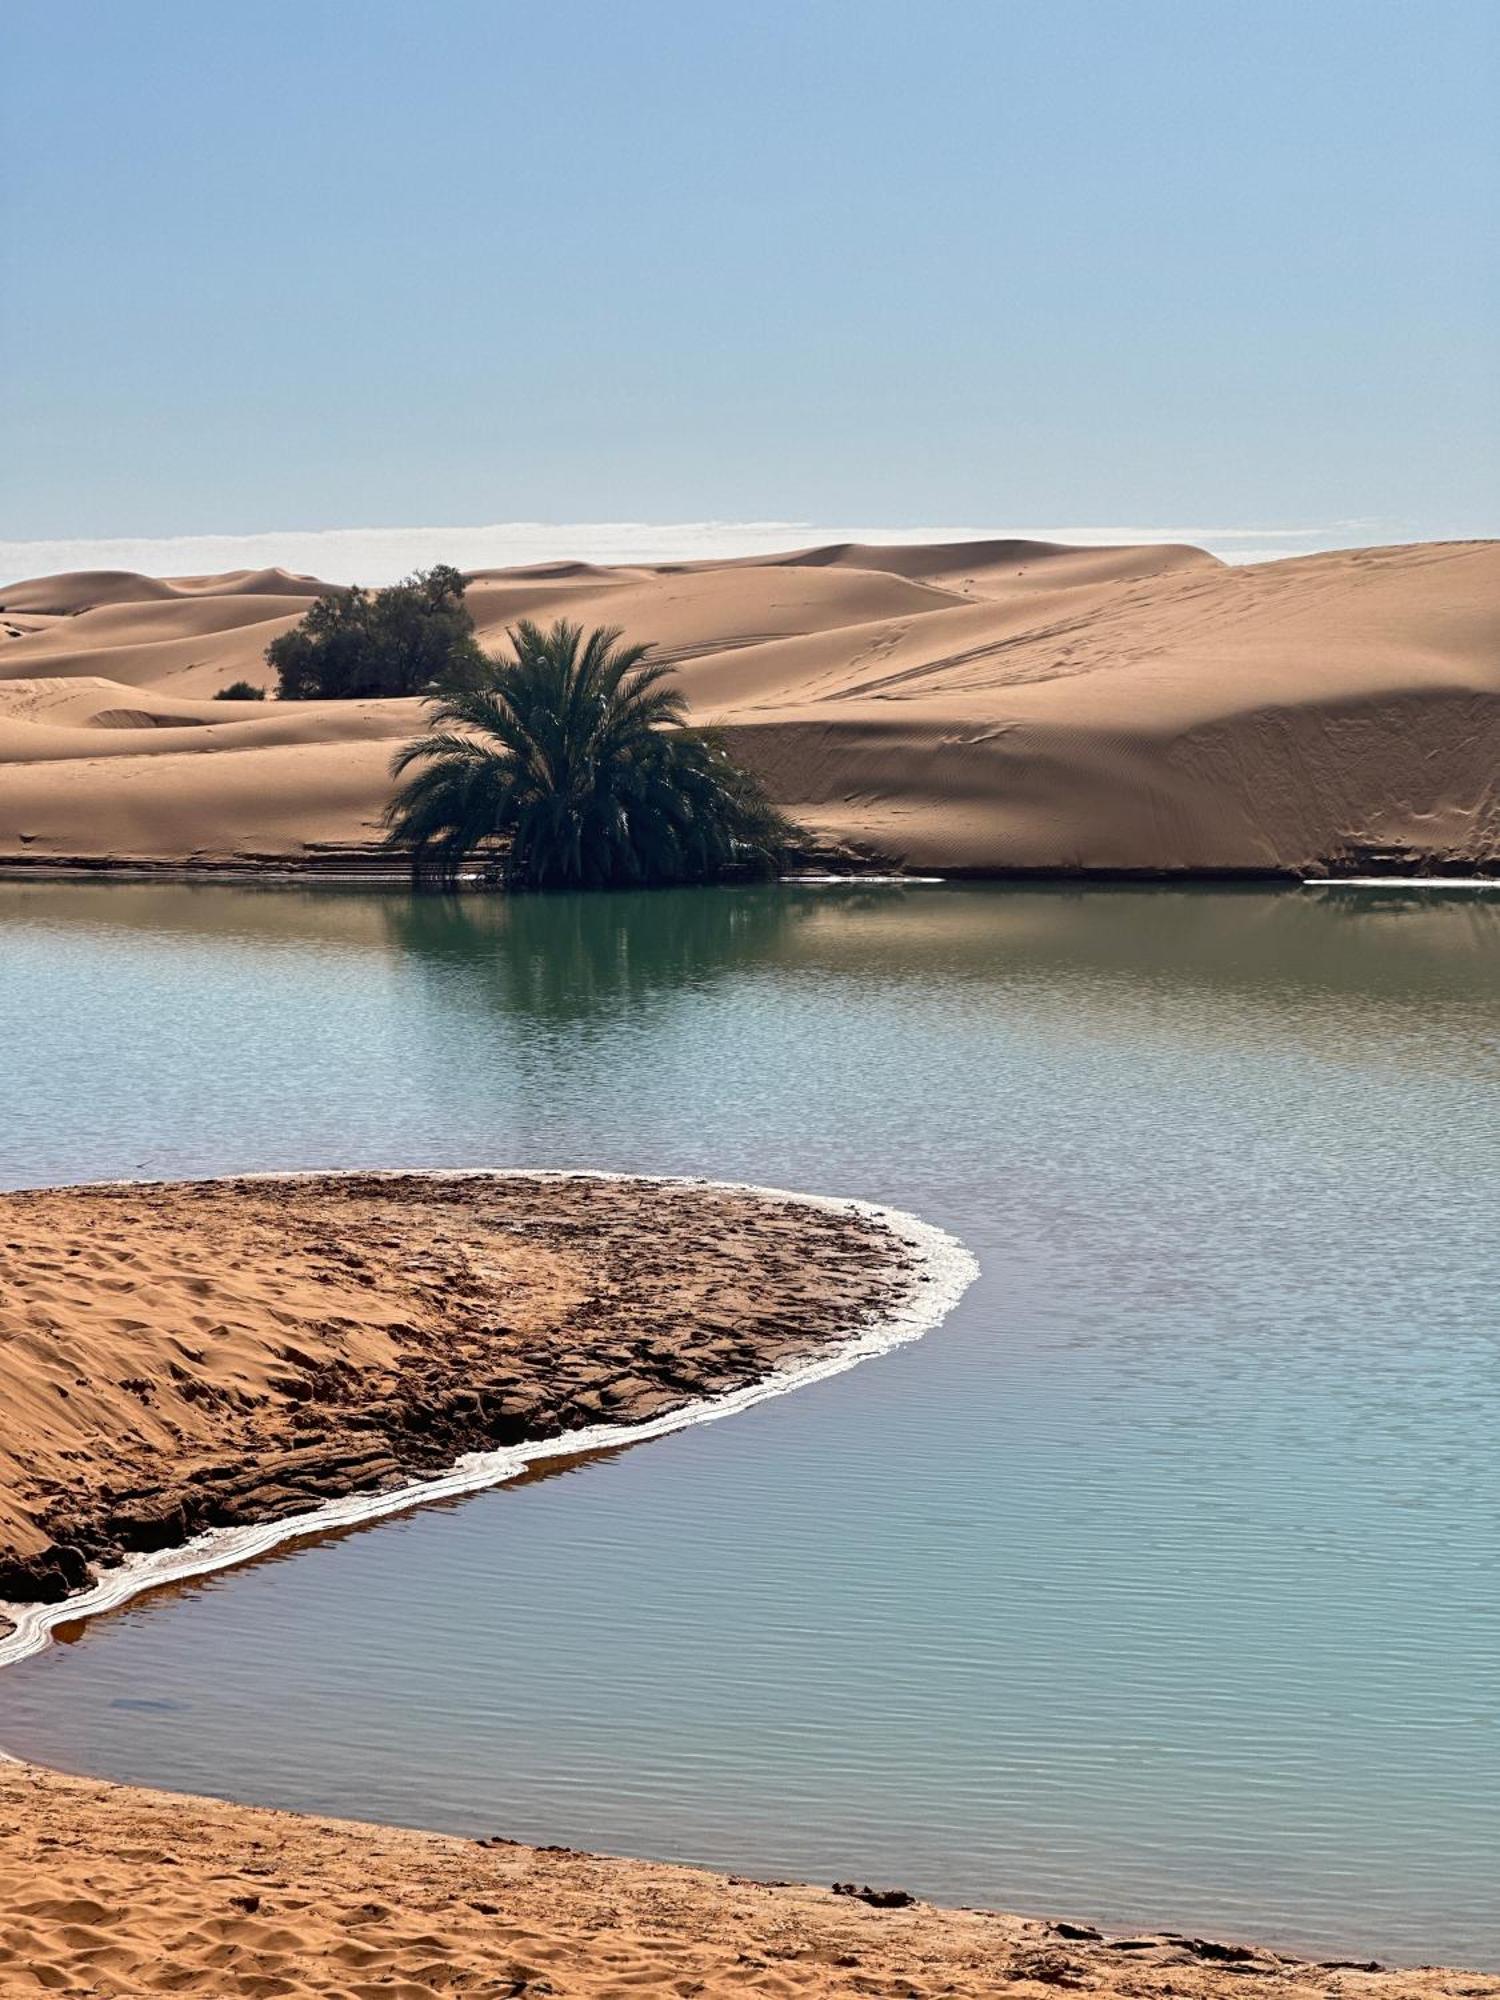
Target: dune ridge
[983, 707]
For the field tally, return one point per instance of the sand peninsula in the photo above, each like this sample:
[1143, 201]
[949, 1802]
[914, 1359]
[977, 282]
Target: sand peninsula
[226, 1355]
[984, 707]
[222, 1355]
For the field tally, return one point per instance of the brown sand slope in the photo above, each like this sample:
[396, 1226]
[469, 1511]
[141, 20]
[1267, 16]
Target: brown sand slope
[218, 1353]
[111, 1891]
[986, 705]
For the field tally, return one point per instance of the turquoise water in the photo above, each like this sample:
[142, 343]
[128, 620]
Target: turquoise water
[1161, 1585]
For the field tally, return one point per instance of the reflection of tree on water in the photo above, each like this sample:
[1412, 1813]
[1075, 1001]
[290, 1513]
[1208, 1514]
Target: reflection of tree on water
[566, 960]
[559, 960]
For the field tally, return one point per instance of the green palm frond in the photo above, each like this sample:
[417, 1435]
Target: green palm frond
[573, 756]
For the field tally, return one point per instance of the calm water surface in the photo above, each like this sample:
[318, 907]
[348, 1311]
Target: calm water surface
[1159, 1586]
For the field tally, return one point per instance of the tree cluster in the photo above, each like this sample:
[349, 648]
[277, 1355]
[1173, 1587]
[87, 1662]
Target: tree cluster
[415, 637]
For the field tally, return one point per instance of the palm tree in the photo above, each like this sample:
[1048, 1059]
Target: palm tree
[573, 754]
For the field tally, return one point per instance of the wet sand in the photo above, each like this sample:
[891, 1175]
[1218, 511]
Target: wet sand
[206, 1354]
[214, 1354]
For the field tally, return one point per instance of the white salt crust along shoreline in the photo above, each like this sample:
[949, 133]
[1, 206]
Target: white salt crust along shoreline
[943, 1271]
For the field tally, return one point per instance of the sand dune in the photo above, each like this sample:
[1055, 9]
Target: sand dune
[86, 590]
[987, 705]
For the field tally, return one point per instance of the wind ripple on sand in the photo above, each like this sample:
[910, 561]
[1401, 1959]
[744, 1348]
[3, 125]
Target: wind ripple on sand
[106, 1890]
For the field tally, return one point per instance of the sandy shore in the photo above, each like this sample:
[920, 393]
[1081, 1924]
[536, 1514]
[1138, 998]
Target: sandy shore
[987, 706]
[174, 1356]
[105, 1890]
[210, 1355]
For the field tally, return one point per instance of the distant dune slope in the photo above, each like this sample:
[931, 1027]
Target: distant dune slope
[980, 705]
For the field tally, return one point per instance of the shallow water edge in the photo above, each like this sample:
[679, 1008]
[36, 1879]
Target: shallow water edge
[944, 1270]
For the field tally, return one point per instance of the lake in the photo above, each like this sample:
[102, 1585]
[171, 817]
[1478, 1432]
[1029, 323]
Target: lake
[1160, 1585]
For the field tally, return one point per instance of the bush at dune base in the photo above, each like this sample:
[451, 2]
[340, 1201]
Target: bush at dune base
[412, 638]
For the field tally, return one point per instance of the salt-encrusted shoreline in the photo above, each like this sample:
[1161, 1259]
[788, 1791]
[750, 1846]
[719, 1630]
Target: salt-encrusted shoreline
[921, 1273]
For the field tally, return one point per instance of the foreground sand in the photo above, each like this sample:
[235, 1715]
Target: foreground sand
[991, 706]
[229, 1351]
[217, 1353]
[109, 1890]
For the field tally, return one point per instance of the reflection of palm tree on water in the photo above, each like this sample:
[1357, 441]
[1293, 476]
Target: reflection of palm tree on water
[557, 960]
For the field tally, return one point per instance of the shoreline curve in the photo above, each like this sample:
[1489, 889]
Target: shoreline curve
[943, 1269]
[554, 1900]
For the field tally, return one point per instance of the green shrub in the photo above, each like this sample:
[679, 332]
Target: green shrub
[415, 637]
[241, 691]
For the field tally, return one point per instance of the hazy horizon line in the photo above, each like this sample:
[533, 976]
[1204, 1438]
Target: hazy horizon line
[380, 555]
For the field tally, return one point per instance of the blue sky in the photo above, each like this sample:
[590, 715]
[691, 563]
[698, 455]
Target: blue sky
[1028, 263]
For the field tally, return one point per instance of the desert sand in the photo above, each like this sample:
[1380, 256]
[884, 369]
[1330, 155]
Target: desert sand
[105, 1890]
[985, 706]
[173, 1356]
[218, 1353]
